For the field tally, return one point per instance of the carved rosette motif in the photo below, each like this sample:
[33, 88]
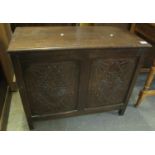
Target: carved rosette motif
[109, 81]
[52, 87]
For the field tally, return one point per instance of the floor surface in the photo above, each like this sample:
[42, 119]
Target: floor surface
[134, 119]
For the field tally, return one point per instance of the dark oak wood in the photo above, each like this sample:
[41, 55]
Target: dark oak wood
[41, 38]
[132, 82]
[22, 89]
[67, 71]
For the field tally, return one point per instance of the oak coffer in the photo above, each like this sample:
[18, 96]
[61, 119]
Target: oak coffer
[66, 71]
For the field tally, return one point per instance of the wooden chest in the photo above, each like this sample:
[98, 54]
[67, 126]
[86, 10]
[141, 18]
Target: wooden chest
[65, 71]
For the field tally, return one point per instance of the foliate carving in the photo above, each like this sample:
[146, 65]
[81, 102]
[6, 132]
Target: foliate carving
[52, 87]
[109, 81]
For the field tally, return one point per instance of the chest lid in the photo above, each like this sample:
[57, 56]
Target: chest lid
[73, 37]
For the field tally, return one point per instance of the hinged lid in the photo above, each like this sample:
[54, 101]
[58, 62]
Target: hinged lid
[70, 37]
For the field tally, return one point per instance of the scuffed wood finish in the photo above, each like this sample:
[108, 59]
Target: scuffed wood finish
[75, 78]
[72, 37]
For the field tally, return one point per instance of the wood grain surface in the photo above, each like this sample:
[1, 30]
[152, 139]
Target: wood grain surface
[35, 38]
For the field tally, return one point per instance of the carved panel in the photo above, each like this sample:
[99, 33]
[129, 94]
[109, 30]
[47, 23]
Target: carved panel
[109, 81]
[52, 86]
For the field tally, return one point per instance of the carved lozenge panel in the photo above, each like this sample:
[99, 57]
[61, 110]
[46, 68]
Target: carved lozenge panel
[52, 86]
[109, 81]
